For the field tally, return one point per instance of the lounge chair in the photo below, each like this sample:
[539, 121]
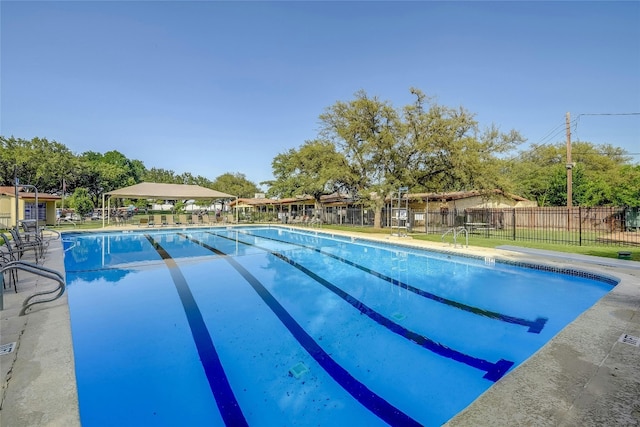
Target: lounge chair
[163, 220]
[143, 222]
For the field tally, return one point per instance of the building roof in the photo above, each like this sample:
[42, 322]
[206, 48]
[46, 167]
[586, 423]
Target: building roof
[154, 190]
[261, 201]
[457, 195]
[336, 199]
[11, 192]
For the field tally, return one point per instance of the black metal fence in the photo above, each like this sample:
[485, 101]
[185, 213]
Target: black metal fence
[616, 226]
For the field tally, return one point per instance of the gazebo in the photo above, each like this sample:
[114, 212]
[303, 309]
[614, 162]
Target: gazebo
[154, 190]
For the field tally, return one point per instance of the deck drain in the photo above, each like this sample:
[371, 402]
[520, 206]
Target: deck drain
[629, 339]
[398, 316]
[298, 370]
[7, 348]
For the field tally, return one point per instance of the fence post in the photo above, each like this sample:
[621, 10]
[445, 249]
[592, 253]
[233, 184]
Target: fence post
[513, 221]
[579, 225]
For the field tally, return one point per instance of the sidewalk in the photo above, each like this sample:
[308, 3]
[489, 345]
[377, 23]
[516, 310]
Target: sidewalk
[588, 259]
[39, 384]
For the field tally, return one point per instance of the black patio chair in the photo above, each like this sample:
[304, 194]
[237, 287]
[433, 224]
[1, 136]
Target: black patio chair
[7, 255]
[21, 246]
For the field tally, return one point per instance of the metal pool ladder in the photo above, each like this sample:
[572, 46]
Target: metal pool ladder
[39, 271]
[455, 231]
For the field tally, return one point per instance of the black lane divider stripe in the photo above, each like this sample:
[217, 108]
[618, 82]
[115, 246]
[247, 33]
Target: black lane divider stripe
[359, 391]
[218, 382]
[494, 371]
[534, 326]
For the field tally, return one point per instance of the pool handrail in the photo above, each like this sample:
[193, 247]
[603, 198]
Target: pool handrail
[40, 271]
[455, 231]
[50, 230]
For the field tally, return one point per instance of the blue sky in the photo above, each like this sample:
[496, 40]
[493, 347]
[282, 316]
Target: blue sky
[213, 87]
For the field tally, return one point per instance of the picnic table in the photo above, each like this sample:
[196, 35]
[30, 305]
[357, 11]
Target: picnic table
[477, 227]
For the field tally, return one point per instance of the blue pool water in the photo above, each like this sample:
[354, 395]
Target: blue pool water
[266, 326]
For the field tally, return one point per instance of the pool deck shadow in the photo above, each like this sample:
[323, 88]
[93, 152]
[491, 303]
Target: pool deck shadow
[585, 376]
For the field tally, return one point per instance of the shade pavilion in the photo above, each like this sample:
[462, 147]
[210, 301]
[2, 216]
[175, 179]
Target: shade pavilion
[155, 190]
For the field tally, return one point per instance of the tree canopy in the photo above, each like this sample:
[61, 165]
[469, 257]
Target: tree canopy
[234, 183]
[314, 169]
[601, 175]
[367, 149]
[52, 167]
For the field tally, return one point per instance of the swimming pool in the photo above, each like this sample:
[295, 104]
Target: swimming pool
[271, 326]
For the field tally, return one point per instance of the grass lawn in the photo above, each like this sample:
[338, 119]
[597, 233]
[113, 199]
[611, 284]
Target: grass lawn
[474, 240]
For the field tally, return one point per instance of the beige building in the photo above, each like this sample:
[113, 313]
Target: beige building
[44, 209]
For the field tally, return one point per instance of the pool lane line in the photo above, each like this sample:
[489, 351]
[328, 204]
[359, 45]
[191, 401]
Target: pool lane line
[534, 326]
[218, 382]
[493, 371]
[355, 388]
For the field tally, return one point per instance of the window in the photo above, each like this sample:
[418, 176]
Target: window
[30, 211]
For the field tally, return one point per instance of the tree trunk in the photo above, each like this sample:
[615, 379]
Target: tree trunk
[377, 218]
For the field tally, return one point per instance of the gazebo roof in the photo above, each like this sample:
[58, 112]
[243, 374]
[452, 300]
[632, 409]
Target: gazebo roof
[154, 190]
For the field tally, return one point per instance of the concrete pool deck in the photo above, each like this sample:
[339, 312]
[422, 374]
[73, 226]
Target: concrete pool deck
[585, 376]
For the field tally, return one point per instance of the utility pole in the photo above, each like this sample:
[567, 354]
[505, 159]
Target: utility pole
[569, 164]
[15, 182]
[569, 174]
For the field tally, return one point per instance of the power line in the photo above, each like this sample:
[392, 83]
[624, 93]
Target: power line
[546, 141]
[575, 128]
[602, 153]
[552, 133]
[560, 128]
[609, 114]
